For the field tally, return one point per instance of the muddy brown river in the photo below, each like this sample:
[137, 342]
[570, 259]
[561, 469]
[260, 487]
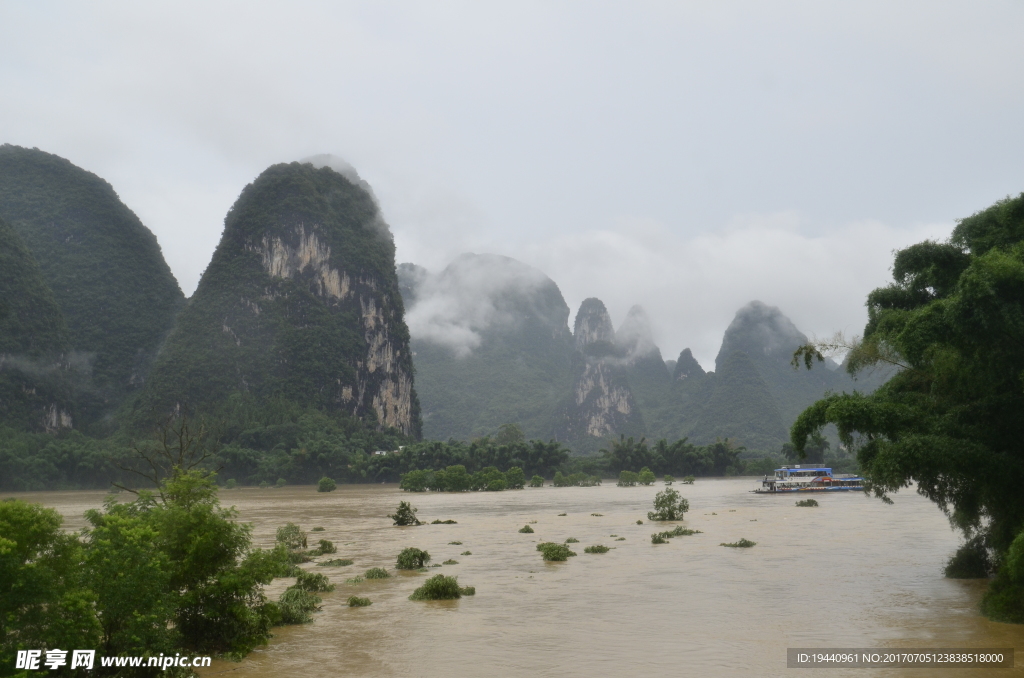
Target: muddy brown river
[853, 572]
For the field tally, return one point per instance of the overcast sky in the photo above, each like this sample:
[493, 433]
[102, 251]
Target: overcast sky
[689, 157]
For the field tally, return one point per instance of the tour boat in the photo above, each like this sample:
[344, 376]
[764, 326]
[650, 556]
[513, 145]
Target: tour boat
[806, 478]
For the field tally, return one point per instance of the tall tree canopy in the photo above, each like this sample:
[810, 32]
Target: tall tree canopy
[951, 419]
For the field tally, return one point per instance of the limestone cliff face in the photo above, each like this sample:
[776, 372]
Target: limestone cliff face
[601, 402]
[301, 301]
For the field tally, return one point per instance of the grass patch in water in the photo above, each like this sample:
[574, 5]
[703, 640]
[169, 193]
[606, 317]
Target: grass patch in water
[621, 539]
[297, 605]
[451, 561]
[555, 552]
[354, 580]
[317, 529]
[438, 587]
[377, 573]
[466, 553]
[455, 543]
[526, 529]
[741, 544]
[807, 502]
[356, 601]
[337, 562]
[572, 540]
[597, 514]
[597, 548]
[639, 522]
[314, 582]
[658, 539]
[444, 522]
[563, 514]
[468, 590]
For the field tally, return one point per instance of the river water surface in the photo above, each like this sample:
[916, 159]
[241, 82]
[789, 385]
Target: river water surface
[853, 572]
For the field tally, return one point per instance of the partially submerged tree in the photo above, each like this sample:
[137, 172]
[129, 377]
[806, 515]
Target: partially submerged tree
[669, 505]
[405, 515]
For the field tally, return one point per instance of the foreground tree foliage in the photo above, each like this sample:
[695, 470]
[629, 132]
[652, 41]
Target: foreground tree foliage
[950, 418]
[154, 575]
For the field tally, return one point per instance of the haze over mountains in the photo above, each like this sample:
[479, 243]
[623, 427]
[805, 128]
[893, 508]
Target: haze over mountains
[302, 309]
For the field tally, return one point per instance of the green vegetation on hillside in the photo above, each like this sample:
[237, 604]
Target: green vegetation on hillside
[949, 420]
[104, 267]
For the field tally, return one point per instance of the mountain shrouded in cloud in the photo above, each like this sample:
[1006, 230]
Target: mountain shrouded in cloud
[104, 267]
[300, 304]
[492, 345]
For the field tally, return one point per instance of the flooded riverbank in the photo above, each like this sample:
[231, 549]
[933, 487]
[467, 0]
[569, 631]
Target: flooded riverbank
[852, 572]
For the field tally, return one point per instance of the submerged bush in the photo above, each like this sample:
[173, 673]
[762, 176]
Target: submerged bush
[444, 522]
[231, 484]
[325, 547]
[668, 479]
[405, 515]
[688, 480]
[742, 544]
[455, 543]
[621, 539]
[646, 476]
[438, 587]
[326, 485]
[807, 502]
[597, 548]
[658, 539]
[466, 553]
[562, 514]
[312, 581]
[572, 540]
[377, 573]
[356, 601]
[669, 506]
[281, 482]
[317, 529]
[337, 562]
[450, 561]
[971, 561]
[354, 580]
[555, 552]
[526, 529]
[412, 559]
[297, 605]
[291, 536]
[628, 478]
[639, 522]
[537, 481]
[468, 590]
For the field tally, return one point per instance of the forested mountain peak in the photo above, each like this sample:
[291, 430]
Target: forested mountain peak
[687, 367]
[104, 267]
[760, 330]
[301, 302]
[593, 324]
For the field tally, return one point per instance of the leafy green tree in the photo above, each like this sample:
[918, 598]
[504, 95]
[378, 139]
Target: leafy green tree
[646, 476]
[949, 418]
[43, 598]
[509, 434]
[415, 481]
[405, 515]
[412, 559]
[537, 481]
[668, 506]
[326, 485]
[628, 479]
[515, 479]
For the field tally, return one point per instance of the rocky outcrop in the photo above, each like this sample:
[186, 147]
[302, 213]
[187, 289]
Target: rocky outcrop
[301, 302]
[686, 367]
[601, 402]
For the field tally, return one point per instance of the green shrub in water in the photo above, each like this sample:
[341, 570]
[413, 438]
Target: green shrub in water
[264, 484]
[297, 605]
[526, 529]
[468, 590]
[597, 548]
[742, 544]
[536, 481]
[325, 547]
[971, 561]
[337, 562]
[405, 515]
[296, 557]
[668, 506]
[314, 582]
[658, 539]
[438, 587]
[444, 522]
[377, 573]
[281, 482]
[572, 540]
[326, 485]
[412, 559]
[451, 561]
[807, 502]
[639, 522]
[646, 476]
[466, 553]
[688, 480]
[668, 479]
[562, 514]
[356, 601]
[455, 543]
[621, 539]
[555, 552]
[597, 514]
[317, 529]
[231, 484]
[292, 536]
[354, 580]
[628, 479]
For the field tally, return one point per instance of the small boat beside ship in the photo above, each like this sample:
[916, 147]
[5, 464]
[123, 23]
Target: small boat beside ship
[806, 478]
